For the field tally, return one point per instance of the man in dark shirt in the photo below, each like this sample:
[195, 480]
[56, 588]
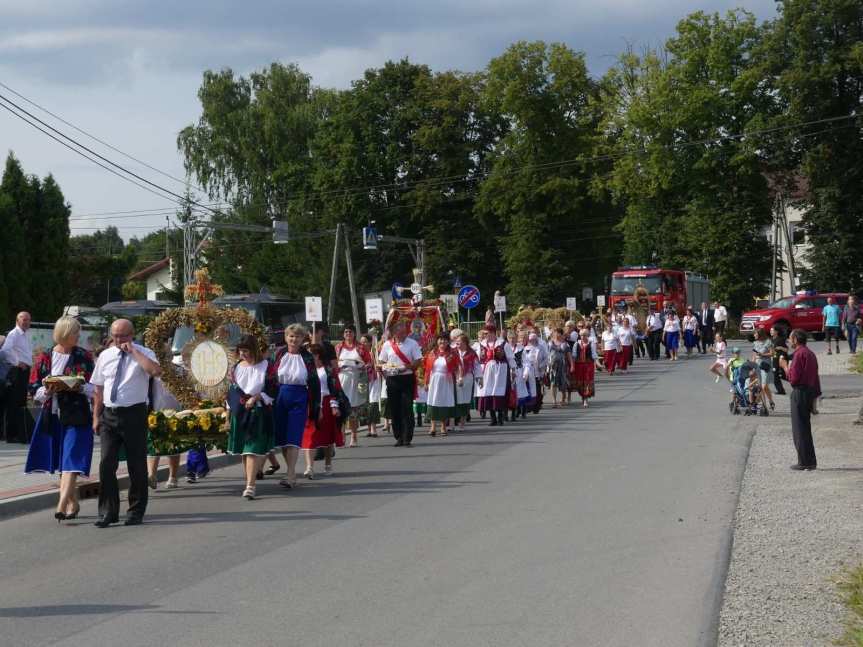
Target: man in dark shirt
[803, 377]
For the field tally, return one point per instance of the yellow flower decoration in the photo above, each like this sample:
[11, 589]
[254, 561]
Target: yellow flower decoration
[152, 420]
[205, 423]
[172, 423]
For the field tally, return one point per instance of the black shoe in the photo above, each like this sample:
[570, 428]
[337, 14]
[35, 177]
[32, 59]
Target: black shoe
[259, 476]
[801, 468]
[133, 521]
[104, 523]
[399, 444]
[272, 469]
[60, 516]
[408, 445]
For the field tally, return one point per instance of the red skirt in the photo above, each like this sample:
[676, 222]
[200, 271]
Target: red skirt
[584, 376]
[326, 431]
[609, 358]
[624, 357]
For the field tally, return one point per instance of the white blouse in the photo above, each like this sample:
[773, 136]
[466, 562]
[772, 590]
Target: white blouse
[625, 336]
[690, 323]
[322, 377]
[350, 357]
[672, 324]
[609, 341]
[292, 370]
[252, 378]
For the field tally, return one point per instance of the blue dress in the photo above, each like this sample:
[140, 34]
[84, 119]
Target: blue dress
[56, 448]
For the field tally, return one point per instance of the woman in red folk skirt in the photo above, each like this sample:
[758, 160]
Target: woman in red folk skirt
[610, 347]
[585, 367]
[626, 336]
[324, 431]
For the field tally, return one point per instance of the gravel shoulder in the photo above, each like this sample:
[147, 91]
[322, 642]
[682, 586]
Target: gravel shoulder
[795, 531]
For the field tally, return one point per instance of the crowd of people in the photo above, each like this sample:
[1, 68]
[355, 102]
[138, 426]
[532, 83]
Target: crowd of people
[313, 396]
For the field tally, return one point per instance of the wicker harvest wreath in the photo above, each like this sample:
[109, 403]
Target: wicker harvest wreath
[210, 325]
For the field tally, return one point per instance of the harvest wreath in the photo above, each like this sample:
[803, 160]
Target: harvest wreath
[204, 374]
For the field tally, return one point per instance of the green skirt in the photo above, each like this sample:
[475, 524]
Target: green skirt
[252, 433]
[440, 413]
[461, 410]
[385, 408]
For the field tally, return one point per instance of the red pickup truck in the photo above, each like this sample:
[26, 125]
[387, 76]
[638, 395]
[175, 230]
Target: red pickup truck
[803, 311]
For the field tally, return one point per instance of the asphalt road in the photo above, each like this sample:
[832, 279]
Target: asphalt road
[609, 526]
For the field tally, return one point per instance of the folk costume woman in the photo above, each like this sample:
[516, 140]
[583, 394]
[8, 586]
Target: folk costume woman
[520, 395]
[690, 331]
[250, 401]
[584, 359]
[355, 362]
[63, 438]
[373, 414]
[610, 347]
[325, 430]
[497, 363]
[471, 373]
[443, 371]
[298, 398]
[671, 334]
[479, 388]
[626, 336]
[559, 361]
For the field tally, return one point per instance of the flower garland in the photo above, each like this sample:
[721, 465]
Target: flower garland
[173, 432]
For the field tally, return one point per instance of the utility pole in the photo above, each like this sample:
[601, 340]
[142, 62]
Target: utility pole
[351, 286]
[774, 240]
[331, 300]
[789, 246]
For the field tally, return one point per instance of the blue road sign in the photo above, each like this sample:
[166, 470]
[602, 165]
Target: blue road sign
[468, 297]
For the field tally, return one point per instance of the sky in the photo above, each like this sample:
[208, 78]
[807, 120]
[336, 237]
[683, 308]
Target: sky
[128, 71]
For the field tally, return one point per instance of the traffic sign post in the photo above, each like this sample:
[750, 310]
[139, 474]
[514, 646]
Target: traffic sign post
[468, 298]
[314, 311]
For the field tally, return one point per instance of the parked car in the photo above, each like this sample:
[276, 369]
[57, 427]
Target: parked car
[137, 308]
[802, 310]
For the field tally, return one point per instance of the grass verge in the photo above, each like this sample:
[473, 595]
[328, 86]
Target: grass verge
[857, 364]
[851, 588]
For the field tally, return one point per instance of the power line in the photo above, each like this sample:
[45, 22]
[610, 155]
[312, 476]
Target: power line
[180, 198]
[75, 150]
[101, 141]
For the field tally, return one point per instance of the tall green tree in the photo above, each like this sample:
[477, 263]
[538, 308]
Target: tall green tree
[19, 197]
[421, 141]
[693, 188]
[555, 229]
[813, 61]
[251, 147]
[50, 266]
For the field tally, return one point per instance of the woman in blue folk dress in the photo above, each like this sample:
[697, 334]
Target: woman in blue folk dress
[63, 437]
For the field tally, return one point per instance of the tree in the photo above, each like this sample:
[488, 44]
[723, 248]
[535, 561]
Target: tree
[50, 269]
[813, 61]
[18, 201]
[251, 146]
[695, 194]
[100, 268]
[540, 195]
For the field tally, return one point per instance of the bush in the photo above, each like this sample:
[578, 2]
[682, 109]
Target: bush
[851, 588]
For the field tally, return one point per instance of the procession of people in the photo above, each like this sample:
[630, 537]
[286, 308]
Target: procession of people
[311, 395]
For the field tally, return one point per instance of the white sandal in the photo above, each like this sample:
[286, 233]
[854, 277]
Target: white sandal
[249, 493]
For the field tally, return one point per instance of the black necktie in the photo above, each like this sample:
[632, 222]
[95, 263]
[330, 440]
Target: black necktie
[121, 365]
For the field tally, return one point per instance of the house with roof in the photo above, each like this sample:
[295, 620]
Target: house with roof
[158, 277]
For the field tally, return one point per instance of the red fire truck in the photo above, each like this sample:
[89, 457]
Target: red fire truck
[648, 284]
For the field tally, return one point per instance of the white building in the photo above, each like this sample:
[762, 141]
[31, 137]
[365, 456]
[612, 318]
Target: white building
[159, 276]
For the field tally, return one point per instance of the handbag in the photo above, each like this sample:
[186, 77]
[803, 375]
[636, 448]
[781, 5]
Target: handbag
[74, 409]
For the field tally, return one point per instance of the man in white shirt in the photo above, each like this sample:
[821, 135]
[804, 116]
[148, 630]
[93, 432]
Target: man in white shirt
[18, 351]
[399, 357]
[720, 316]
[122, 381]
[655, 324]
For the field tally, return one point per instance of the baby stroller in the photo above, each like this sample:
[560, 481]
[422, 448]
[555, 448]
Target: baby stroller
[747, 393]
